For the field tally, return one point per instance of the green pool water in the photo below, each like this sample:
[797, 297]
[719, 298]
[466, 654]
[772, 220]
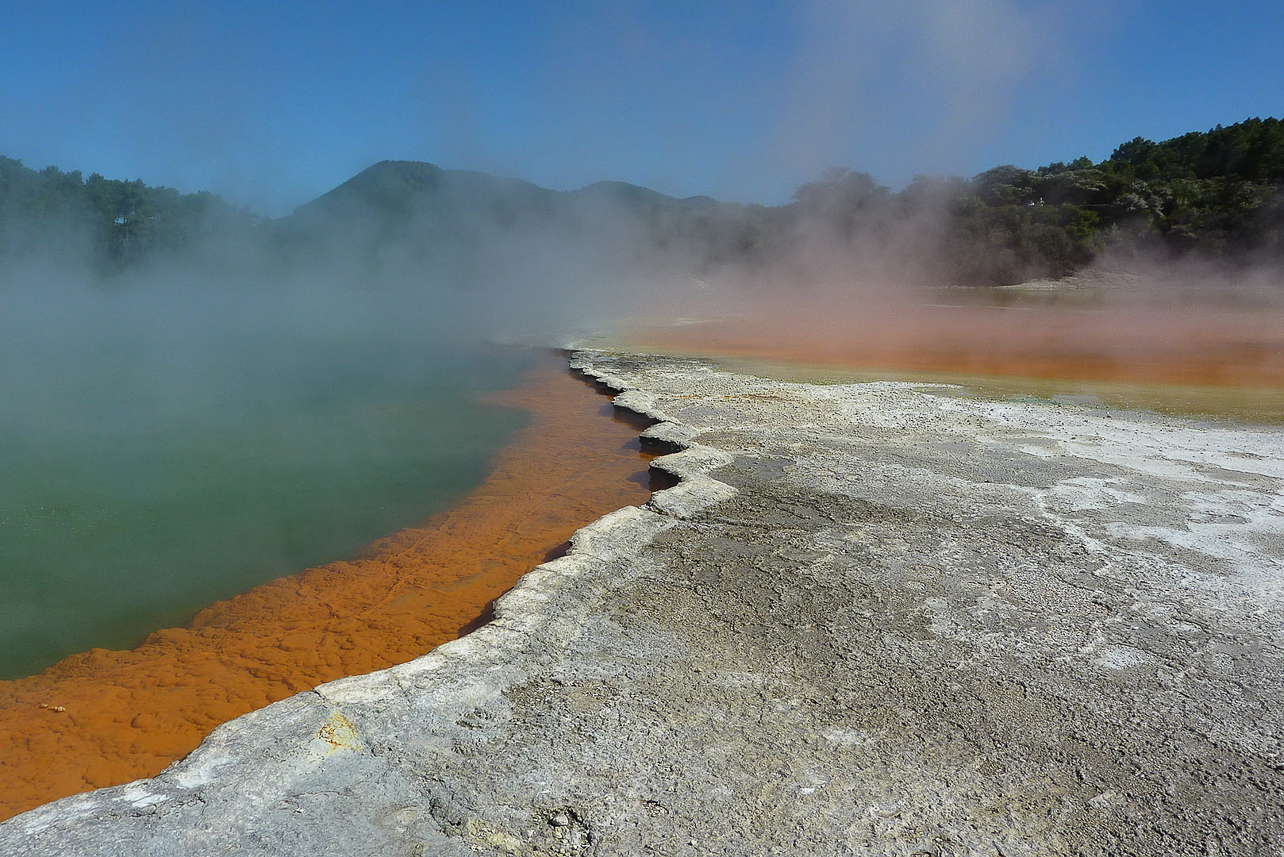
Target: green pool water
[144, 477]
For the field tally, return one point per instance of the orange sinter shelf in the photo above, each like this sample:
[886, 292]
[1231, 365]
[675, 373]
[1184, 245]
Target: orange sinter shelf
[1152, 345]
[106, 717]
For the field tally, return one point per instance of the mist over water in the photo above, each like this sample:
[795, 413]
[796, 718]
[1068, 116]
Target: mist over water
[196, 398]
[279, 393]
[166, 443]
[181, 426]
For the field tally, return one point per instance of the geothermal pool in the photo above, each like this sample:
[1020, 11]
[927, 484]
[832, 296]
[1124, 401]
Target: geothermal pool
[113, 478]
[132, 496]
[104, 717]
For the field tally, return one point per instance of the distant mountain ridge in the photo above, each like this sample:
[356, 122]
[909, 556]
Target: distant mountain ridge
[398, 215]
[395, 184]
[399, 186]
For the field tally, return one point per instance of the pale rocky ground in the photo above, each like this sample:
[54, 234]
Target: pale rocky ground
[881, 618]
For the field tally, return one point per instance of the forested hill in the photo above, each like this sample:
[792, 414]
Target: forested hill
[105, 224]
[1213, 195]
[1252, 151]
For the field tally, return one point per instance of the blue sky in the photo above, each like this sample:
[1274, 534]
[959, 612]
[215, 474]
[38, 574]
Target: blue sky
[271, 104]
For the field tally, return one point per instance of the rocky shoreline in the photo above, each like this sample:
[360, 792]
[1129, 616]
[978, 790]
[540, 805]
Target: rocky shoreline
[877, 618]
[104, 717]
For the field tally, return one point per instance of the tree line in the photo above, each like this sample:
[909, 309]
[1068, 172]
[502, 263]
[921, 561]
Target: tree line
[1213, 194]
[106, 224]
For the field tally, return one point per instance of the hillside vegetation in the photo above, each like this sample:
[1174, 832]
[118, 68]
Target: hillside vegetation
[1212, 195]
[106, 224]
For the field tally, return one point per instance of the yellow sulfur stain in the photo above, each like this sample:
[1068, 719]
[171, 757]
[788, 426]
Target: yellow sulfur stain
[339, 733]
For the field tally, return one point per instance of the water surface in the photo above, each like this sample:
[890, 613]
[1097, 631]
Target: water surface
[161, 453]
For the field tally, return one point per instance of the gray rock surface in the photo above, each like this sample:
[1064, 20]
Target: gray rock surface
[871, 619]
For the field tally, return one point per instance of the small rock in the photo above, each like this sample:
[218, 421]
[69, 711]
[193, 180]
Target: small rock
[560, 820]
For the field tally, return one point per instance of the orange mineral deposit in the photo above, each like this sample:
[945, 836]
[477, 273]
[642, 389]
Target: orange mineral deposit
[1194, 346]
[106, 717]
